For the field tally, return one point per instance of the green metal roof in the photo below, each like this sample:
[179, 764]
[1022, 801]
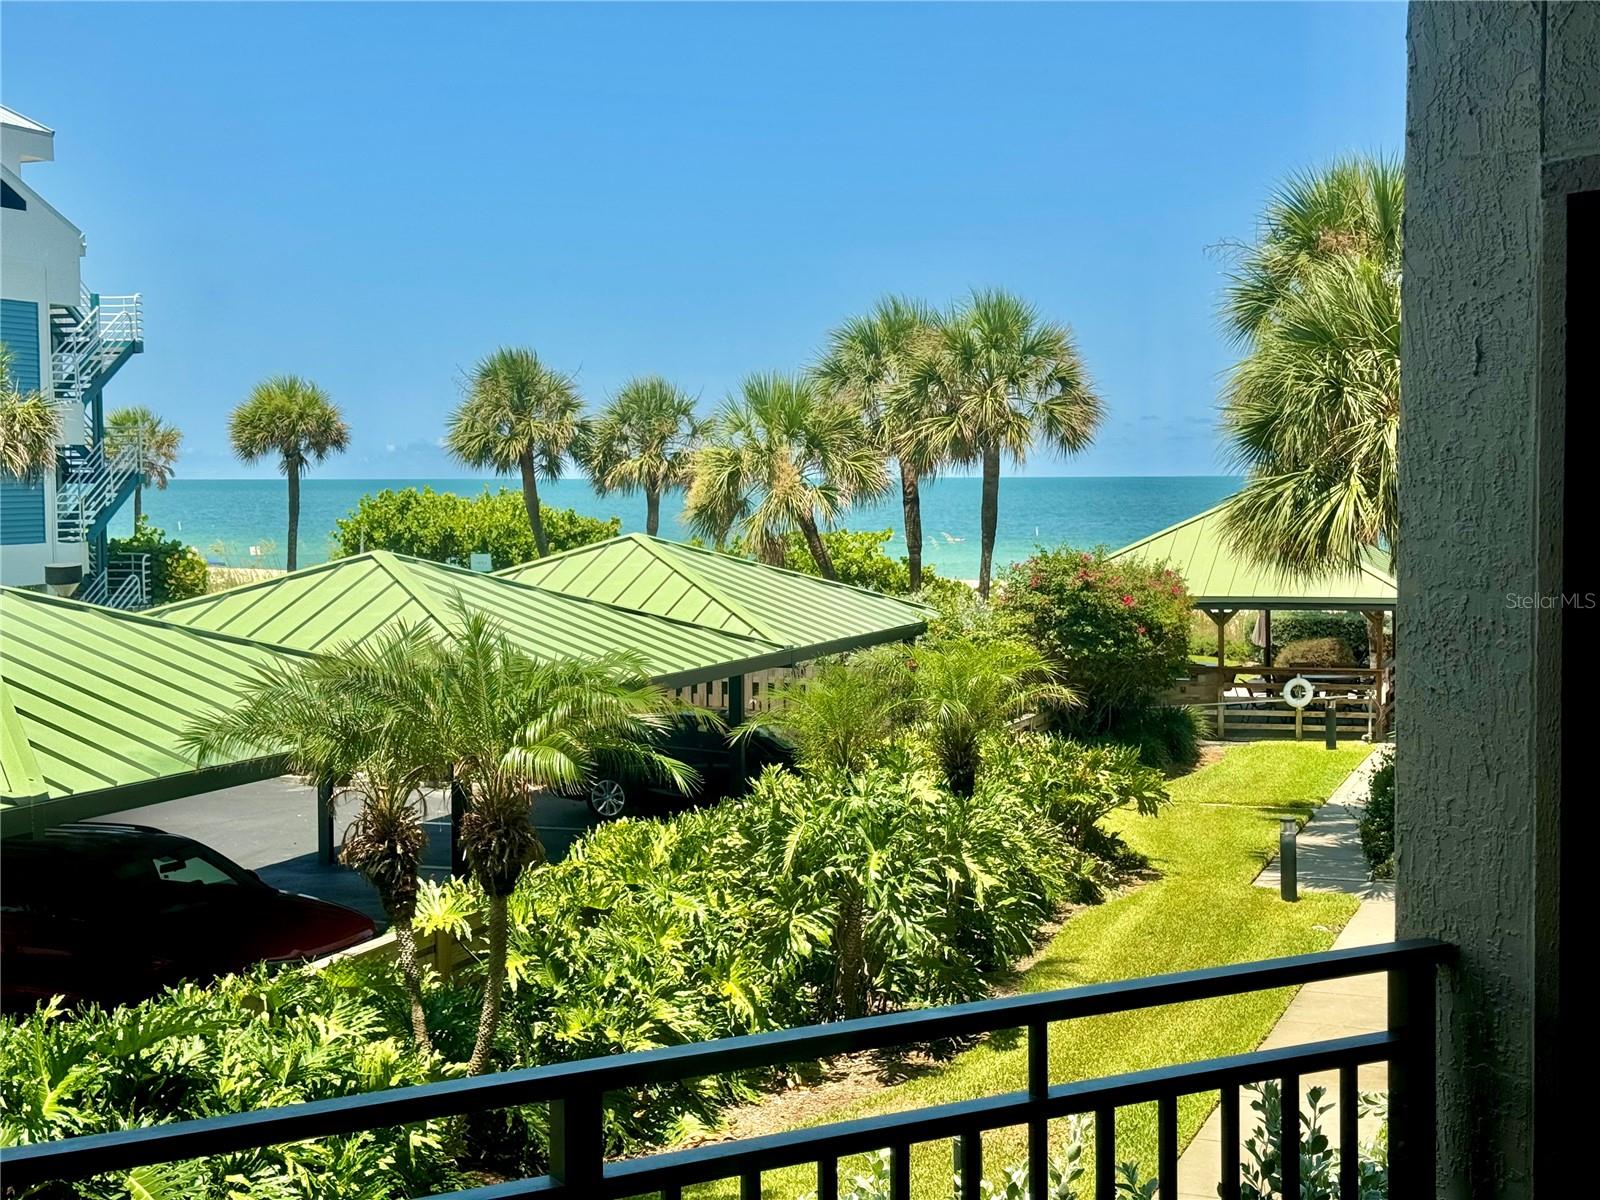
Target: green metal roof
[92, 702]
[1220, 577]
[349, 599]
[810, 616]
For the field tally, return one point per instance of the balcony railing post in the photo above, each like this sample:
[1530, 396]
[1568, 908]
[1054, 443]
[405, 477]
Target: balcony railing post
[1413, 1078]
[577, 1146]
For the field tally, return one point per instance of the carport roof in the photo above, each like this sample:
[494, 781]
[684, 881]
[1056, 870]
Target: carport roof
[92, 704]
[810, 616]
[1218, 576]
[350, 599]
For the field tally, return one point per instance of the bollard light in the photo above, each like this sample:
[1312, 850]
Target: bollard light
[1288, 884]
[1330, 724]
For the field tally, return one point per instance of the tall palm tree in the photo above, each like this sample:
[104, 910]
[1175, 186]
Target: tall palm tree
[641, 442]
[157, 444]
[509, 725]
[294, 419]
[518, 415]
[964, 692]
[868, 361]
[364, 716]
[1312, 411]
[779, 457]
[29, 425]
[996, 377]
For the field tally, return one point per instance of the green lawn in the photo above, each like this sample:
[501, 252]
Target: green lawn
[1201, 912]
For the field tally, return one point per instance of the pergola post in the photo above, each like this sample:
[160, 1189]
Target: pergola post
[1377, 642]
[736, 715]
[325, 847]
[1221, 617]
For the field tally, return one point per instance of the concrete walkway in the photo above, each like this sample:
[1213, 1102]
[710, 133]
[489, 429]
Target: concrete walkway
[1330, 860]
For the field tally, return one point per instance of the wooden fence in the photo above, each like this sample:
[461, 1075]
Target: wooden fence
[1247, 702]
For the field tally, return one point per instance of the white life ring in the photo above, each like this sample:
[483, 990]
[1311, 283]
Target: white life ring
[1298, 691]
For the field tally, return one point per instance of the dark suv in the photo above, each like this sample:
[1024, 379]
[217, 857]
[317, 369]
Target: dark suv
[114, 913]
[725, 769]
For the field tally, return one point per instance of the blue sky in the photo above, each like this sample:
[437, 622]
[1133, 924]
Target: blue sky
[377, 195]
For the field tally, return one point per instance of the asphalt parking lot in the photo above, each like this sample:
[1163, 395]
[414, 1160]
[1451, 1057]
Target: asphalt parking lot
[270, 828]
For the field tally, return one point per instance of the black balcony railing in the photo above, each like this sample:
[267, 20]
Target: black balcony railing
[578, 1167]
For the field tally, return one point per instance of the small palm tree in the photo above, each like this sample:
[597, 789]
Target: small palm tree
[997, 377]
[1312, 411]
[964, 692]
[29, 426]
[868, 362]
[777, 458]
[641, 442]
[157, 444]
[518, 415]
[362, 715]
[294, 419]
[510, 725]
[843, 712]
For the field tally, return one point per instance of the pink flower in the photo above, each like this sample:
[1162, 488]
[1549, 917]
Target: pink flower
[1127, 602]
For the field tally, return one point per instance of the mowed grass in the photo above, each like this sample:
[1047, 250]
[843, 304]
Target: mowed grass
[1202, 911]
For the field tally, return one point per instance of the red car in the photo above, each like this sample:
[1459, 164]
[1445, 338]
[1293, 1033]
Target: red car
[115, 913]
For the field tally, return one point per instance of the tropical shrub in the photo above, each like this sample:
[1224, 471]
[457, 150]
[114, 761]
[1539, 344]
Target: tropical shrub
[1166, 735]
[859, 558]
[812, 897]
[176, 569]
[447, 527]
[1118, 630]
[1348, 627]
[1377, 819]
[1262, 1166]
[1316, 652]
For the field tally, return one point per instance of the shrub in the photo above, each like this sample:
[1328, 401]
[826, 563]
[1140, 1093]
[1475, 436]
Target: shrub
[859, 558]
[1377, 820]
[176, 569]
[810, 897]
[1120, 630]
[1166, 735]
[1350, 628]
[447, 527]
[1316, 652]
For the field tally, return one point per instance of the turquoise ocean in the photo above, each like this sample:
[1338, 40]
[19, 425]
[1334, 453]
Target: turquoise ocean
[242, 522]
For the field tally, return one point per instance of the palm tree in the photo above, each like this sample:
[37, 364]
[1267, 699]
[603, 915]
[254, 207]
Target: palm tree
[518, 415]
[964, 692]
[157, 444]
[1312, 411]
[29, 426]
[868, 361]
[996, 377]
[294, 419]
[641, 442]
[777, 458]
[843, 712]
[362, 715]
[509, 725]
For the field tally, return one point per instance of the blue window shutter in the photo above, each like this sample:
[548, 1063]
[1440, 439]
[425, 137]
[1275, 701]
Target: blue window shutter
[19, 330]
[21, 510]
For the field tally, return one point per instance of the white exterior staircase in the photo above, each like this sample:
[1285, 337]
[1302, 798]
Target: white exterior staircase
[91, 341]
[121, 582]
[92, 483]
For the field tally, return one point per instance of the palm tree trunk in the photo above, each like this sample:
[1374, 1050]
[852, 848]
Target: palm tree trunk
[530, 497]
[989, 514]
[405, 944]
[911, 504]
[291, 557]
[819, 550]
[652, 511]
[138, 504]
[494, 982]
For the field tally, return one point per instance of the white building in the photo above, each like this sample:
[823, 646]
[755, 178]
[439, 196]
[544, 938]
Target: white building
[66, 342]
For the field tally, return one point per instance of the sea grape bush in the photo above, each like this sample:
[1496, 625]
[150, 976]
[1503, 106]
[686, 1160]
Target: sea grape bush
[446, 527]
[812, 897]
[1119, 630]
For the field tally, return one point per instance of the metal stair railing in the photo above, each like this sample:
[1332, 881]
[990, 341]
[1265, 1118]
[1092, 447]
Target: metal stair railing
[90, 484]
[110, 324]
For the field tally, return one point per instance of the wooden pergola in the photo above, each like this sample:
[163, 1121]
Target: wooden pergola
[1223, 583]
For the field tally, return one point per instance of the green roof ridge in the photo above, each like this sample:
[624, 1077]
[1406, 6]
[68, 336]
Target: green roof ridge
[654, 550]
[19, 755]
[397, 568]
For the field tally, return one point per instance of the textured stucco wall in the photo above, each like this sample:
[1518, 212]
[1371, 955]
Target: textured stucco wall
[1497, 93]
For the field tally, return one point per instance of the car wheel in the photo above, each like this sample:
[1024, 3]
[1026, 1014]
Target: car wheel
[607, 799]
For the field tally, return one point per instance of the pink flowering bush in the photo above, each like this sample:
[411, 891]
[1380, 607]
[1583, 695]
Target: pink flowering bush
[1119, 630]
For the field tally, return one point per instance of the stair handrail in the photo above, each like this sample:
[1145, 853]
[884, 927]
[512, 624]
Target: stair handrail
[109, 324]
